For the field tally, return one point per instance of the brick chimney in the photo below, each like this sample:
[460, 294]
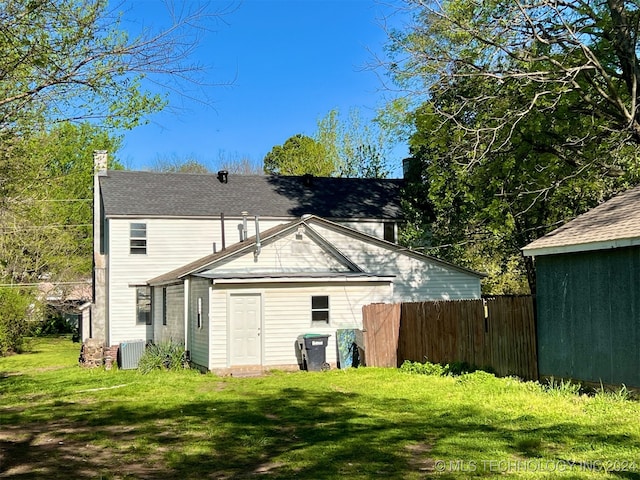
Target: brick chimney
[100, 161]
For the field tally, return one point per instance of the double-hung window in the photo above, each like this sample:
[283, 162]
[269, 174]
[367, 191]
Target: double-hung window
[138, 238]
[319, 309]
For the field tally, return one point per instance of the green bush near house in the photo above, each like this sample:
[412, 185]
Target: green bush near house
[162, 356]
[437, 369]
[14, 323]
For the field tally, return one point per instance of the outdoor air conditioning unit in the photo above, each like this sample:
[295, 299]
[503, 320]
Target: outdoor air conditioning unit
[129, 354]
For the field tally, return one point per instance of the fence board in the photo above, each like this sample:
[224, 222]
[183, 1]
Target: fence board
[381, 323]
[498, 332]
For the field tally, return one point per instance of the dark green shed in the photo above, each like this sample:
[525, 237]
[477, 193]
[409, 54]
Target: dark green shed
[588, 295]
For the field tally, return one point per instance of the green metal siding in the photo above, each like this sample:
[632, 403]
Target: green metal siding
[589, 316]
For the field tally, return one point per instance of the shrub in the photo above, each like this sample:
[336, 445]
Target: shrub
[54, 324]
[14, 323]
[426, 368]
[453, 369]
[163, 356]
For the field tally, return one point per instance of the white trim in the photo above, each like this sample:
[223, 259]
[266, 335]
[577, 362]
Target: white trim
[292, 218]
[340, 279]
[581, 247]
[186, 313]
[243, 292]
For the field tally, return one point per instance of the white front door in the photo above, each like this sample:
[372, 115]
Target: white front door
[245, 326]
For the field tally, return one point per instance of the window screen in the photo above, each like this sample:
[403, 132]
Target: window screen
[320, 309]
[143, 305]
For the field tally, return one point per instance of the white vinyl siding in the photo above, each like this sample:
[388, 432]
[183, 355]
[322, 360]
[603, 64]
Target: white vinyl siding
[218, 352]
[171, 243]
[284, 255]
[287, 314]
[416, 279]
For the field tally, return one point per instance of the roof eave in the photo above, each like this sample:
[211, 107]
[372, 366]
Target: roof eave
[302, 279]
[580, 247]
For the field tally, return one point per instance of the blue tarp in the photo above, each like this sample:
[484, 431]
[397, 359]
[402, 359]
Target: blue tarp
[347, 348]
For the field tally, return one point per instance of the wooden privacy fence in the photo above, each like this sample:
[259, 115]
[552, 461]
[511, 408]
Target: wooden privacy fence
[497, 332]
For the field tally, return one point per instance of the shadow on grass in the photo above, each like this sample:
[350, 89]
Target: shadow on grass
[294, 433]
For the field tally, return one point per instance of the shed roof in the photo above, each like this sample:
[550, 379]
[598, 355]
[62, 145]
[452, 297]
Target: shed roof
[127, 193]
[612, 224]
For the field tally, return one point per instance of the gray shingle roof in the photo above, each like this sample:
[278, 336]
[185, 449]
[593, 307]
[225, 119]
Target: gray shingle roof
[188, 195]
[615, 222]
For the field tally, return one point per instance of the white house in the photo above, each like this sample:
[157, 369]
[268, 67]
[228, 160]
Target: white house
[246, 305]
[172, 255]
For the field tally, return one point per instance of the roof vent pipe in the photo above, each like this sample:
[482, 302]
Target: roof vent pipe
[222, 229]
[244, 226]
[307, 179]
[258, 244]
[223, 176]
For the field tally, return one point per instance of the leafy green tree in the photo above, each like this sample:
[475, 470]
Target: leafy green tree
[47, 210]
[299, 155]
[356, 148]
[544, 49]
[15, 308]
[526, 117]
[482, 214]
[73, 60]
[175, 165]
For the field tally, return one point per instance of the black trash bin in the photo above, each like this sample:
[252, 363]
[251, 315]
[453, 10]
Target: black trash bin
[313, 348]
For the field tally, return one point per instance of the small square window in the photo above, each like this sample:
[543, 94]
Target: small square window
[320, 309]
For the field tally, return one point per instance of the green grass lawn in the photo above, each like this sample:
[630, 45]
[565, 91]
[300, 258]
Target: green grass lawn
[58, 420]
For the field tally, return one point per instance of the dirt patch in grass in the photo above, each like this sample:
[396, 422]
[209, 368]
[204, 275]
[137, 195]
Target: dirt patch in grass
[58, 450]
[418, 457]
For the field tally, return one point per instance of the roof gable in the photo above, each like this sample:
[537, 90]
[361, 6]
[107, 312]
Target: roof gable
[614, 223]
[296, 250]
[127, 193]
[329, 260]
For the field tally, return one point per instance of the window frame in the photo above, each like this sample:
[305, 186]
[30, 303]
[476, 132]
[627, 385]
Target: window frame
[320, 309]
[199, 313]
[164, 306]
[143, 317]
[389, 232]
[137, 238]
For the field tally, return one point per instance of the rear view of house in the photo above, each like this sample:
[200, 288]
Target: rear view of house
[237, 266]
[246, 305]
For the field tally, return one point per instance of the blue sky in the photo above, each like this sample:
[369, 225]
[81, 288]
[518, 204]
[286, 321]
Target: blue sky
[289, 64]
